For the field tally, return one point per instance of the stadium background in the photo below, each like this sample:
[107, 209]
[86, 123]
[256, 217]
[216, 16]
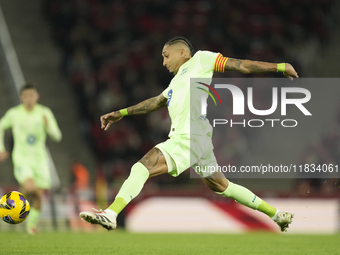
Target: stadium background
[91, 57]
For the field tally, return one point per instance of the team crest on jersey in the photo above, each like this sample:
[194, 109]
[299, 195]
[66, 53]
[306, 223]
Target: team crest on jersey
[31, 139]
[169, 97]
[184, 71]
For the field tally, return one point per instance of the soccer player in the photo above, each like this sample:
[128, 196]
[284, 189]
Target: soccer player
[186, 148]
[30, 122]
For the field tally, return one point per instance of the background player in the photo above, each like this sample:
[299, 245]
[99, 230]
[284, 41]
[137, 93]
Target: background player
[173, 156]
[30, 122]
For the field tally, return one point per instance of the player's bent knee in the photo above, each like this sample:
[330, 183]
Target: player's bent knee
[218, 188]
[30, 190]
[138, 169]
[34, 193]
[154, 161]
[216, 185]
[29, 186]
[40, 192]
[152, 157]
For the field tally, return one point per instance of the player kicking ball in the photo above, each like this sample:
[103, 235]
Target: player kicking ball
[186, 148]
[30, 123]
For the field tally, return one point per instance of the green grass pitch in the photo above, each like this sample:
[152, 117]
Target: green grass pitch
[121, 242]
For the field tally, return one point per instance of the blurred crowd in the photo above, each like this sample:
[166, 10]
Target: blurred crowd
[112, 58]
[323, 151]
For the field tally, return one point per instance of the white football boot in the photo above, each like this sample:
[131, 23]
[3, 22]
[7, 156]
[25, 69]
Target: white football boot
[283, 219]
[100, 217]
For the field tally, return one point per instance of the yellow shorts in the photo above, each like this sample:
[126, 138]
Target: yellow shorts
[39, 172]
[184, 151]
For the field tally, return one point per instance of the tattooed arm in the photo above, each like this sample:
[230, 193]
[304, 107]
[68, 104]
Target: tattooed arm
[149, 105]
[249, 66]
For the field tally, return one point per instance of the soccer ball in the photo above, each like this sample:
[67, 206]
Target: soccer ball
[14, 207]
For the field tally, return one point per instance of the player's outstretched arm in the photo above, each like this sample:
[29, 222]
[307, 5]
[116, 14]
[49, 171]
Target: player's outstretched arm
[146, 106]
[249, 66]
[51, 126]
[5, 123]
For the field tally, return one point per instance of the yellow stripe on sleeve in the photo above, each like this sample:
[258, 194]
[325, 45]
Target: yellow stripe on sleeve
[220, 63]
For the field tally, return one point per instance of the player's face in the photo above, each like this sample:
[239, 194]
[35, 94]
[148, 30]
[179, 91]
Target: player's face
[29, 97]
[172, 57]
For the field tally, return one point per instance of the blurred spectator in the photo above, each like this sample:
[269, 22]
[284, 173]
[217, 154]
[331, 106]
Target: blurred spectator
[82, 176]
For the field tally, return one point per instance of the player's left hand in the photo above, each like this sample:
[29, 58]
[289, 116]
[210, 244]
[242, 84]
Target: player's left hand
[3, 156]
[290, 72]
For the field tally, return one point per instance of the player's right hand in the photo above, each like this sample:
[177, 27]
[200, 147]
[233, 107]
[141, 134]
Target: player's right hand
[290, 72]
[107, 119]
[3, 156]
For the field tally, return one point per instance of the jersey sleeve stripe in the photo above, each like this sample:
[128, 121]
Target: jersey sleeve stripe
[223, 64]
[217, 62]
[215, 65]
[218, 68]
[220, 63]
